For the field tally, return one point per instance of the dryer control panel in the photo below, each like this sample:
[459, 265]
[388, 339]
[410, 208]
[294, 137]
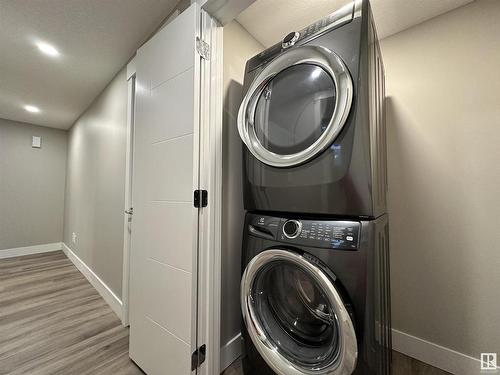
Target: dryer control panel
[335, 20]
[331, 234]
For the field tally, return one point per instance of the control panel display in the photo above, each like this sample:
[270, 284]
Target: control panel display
[342, 235]
[333, 21]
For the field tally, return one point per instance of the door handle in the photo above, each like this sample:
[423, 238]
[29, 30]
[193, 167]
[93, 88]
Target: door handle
[130, 212]
[260, 232]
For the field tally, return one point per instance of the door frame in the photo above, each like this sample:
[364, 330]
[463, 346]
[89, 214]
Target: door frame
[208, 278]
[209, 256]
[129, 168]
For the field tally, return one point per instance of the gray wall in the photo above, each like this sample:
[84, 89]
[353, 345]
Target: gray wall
[239, 46]
[443, 84]
[95, 184]
[31, 185]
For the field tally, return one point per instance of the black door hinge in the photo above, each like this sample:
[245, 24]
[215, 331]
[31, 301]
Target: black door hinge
[200, 198]
[198, 357]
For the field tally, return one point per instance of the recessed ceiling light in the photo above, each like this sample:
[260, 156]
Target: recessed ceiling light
[47, 49]
[32, 108]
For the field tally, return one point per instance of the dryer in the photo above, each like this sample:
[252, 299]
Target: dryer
[315, 296]
[313, 123]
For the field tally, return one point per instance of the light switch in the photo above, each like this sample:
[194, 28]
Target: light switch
[36, 142]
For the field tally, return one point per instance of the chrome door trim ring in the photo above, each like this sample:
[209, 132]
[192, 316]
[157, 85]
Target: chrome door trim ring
[344, 364]
[314, 55]
[297, 233]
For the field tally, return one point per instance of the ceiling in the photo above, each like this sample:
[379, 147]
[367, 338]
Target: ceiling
[270, 20]
[95, 39]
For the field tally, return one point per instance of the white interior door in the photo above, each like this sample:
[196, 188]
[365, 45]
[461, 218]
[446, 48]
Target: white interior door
[163, 264]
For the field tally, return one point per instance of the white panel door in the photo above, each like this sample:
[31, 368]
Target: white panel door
[163, 260]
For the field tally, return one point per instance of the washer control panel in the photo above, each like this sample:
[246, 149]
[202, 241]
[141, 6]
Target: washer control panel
[332, 234]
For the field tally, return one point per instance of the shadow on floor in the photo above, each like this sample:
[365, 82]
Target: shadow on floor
[401, 365]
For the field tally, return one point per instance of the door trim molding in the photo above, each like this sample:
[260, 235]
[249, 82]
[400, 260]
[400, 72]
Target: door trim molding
[105, 291]
[209, 259]
[131, 68]
[129, 160]
[29, 250]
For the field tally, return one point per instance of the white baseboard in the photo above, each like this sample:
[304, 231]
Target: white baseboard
[28, 250]
[436, 355]
[112, 299]
[231, 351]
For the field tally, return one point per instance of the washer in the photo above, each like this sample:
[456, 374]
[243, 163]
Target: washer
[313, 121]
[315, 296]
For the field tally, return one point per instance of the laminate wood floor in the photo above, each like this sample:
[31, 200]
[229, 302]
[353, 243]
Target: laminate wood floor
[53, 322]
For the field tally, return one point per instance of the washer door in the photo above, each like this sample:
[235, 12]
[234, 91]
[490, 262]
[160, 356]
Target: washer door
[295, 316]
[296, 106]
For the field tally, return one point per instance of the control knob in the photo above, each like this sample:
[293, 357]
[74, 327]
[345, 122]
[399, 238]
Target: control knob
[292, 228]
[290, 39]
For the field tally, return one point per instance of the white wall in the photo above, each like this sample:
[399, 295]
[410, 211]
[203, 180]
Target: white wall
[31, 185]
[239, 46]
[443, 107]
[95, 185]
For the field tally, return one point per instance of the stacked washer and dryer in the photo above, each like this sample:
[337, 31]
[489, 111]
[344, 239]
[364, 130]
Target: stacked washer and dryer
[315, 291]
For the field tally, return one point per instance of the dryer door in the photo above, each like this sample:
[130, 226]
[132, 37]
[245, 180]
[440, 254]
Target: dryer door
[295, 315]
[296, 106]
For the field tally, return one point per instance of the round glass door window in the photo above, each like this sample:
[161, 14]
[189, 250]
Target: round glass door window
[298, 321]
[297, 315]
[294, 109]
[296, 106]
